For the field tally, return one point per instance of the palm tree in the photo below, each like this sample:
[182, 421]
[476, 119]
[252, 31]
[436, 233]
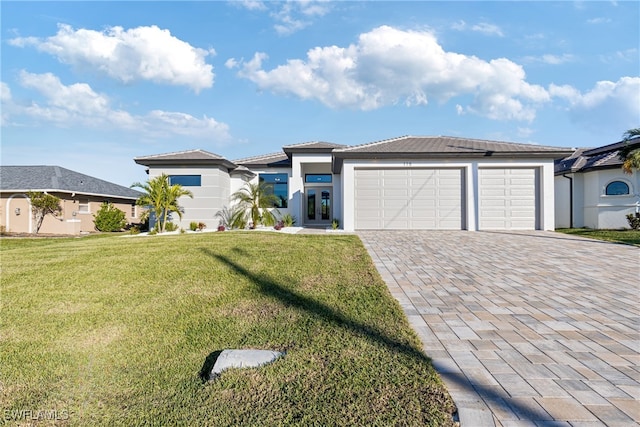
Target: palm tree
[256, 200]
[630, 153]
[162, 197]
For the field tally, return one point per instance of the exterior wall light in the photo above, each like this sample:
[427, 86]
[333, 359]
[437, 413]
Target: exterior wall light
[17, 211]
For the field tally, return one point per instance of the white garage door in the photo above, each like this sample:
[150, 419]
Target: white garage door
[508, 199]
[403, 199]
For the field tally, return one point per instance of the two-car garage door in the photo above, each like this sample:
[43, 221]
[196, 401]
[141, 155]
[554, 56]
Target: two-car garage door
[433, 199]
[404, 199]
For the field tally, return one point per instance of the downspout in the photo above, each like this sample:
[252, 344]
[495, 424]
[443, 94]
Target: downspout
[570, 199]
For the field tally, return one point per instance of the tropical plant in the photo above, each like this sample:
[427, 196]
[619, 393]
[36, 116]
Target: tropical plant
[634, 221]
[171, 226]
[288, 220]
[162, 197]
[335, 224]
[109, 218]
[257, 203]
[231, 217]
[43, 204]
[630, 152]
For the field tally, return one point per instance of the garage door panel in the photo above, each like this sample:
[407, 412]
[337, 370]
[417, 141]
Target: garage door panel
[411, 199]
[508, 198]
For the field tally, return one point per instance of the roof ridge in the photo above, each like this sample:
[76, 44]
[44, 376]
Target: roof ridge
[351, 147]
[258, 157]
[173, 153]
[303, 144]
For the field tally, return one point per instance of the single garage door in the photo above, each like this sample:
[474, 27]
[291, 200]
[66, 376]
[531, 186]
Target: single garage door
[508, 199]
[405, 199]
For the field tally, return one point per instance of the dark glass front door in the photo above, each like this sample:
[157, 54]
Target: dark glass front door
[318, 209]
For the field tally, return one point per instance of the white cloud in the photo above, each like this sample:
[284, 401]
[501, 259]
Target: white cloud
[607, 105]
[482, 27]
[598, 21]
[79, 105]
[231, 63]
[389, 66]
[489, 29]
[290, 16]
[250, 4]
[551, 59]
[627, 55]
[142, 53]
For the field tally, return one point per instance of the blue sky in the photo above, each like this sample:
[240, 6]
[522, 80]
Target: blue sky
[91, 85]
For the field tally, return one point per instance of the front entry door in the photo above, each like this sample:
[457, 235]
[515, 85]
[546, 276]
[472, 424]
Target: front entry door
[318, 208]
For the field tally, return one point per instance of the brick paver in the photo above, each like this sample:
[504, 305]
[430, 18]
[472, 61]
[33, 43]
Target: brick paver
[525, 328]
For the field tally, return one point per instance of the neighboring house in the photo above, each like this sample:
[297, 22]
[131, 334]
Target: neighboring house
[403, 183]
[592, 190]
[80, 197]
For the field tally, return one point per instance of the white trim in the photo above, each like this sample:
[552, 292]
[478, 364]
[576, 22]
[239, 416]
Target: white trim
[8, 212]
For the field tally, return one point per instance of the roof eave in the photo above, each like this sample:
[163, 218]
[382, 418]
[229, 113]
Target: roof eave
[340, 156]
[85, 193]
[182, 162]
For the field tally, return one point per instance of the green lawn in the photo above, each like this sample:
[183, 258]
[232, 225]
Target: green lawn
[629, 237]
[115, 331]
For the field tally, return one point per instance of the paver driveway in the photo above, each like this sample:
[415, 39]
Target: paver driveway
[525, 328]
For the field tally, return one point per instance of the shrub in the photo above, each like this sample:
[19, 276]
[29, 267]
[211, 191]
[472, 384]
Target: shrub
[193, 226]
[231, 217]
[634, 221]
[288, 220]
[335, 224]
[201, 226]
[170, 226]
[109, 218]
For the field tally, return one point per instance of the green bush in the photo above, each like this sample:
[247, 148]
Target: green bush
[170, 226]
[288, 220]
[109, 218]
[193, 226]
[634, 221]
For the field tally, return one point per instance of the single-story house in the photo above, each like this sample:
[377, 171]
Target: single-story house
[593, 191]
[433, 183]
[80, 198]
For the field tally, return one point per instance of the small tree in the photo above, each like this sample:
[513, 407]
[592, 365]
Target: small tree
[256, 201]
[162, 197]
[109, 218]
[43, 204]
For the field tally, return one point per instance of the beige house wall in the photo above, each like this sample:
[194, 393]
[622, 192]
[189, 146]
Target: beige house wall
[77, 215]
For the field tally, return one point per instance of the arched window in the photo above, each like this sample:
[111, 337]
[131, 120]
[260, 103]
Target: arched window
[617, 188]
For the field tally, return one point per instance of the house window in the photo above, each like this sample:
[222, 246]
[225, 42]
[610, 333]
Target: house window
[278, 185]
[311, 178]
[133, 211]
[185, 180]
[83, 206]
[617, 188]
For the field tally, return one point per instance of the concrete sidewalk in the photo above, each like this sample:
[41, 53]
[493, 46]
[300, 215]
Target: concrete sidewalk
[525, 328]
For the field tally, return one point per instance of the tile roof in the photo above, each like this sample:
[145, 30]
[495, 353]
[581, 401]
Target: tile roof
[584, 159]
[56, 178]
[272, 159]
[313, 145]
[447, 145]
[196, 154]
[190, 157]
